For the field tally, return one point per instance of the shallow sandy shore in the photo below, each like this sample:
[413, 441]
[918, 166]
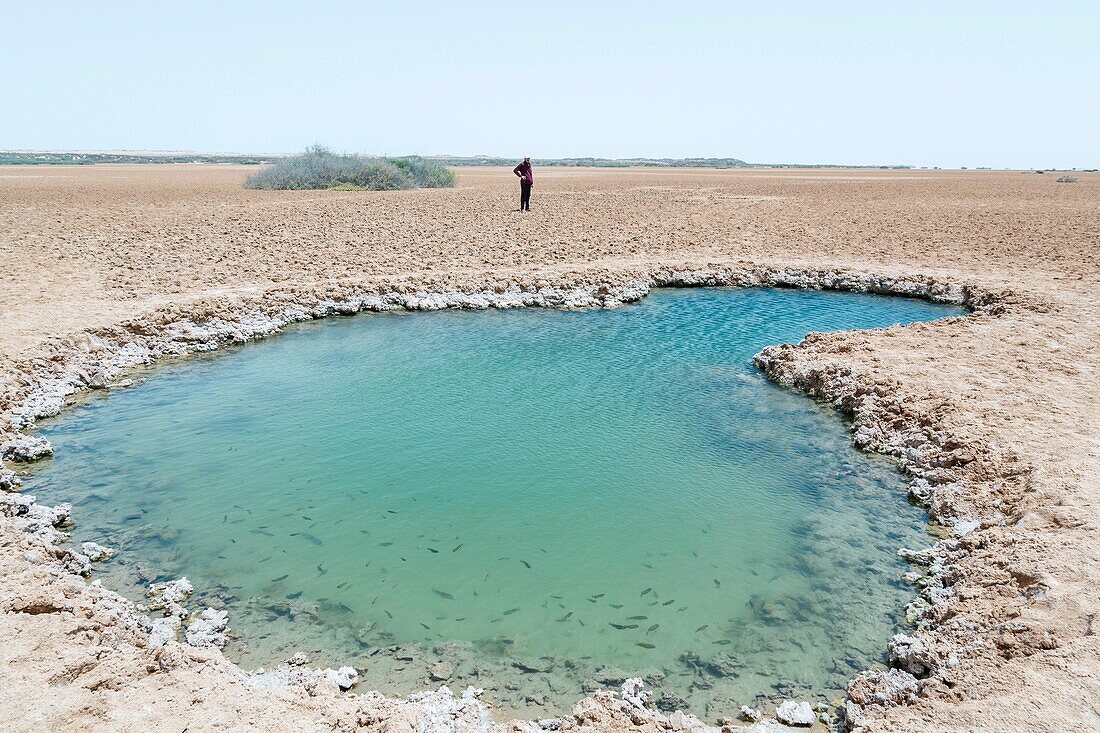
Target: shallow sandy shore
[996, 411]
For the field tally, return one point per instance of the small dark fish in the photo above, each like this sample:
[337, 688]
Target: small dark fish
[702, 628]
[443, 594]
[580, 622]
[556, 597]
[294, 596]
[652, 628]
[599, 595]
[314, 540]
[723, 642]
[425, 625]
[615, 605]
[432, 549]
[384, 544]
[341, 586]
[225, 518]
[753, 572]
[646, 645]
[526, 564]
[265, 559]
[565, 617]
[457, 548]
[647, 591]
[622, 627]
[717, 584]
[681, 609]
[510, 611]
[647, 565]
[321, 568]
[389, 614]
[308, 519]
[637, 618]
[390, 511]
[669, 602]
[280, 578]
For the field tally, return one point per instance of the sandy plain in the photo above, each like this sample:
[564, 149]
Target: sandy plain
[1015, 646]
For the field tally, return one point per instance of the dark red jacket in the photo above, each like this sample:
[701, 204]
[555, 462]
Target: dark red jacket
[523, 170]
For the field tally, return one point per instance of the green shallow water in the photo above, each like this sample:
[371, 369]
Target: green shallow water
[545, 501]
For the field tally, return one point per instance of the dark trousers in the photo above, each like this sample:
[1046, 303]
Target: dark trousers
[524, 196]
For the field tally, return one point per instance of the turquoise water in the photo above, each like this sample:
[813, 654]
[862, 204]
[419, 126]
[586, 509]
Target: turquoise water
[535, 498]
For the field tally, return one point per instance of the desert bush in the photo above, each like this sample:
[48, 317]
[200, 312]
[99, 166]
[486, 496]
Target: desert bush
[319, 167]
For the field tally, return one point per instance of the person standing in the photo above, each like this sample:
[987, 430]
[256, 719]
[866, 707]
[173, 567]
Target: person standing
[526, 180]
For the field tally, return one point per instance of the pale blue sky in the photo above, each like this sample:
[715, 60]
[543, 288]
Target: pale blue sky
[1013, 84]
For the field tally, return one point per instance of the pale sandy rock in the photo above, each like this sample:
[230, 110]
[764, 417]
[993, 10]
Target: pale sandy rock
[912, 654]
[24, 448]
[208, 629]
[791, 712]
[95, 551]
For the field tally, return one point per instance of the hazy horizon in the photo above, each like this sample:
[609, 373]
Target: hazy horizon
[985, 84]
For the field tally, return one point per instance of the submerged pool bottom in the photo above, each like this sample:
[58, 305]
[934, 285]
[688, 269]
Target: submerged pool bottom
[535, 502]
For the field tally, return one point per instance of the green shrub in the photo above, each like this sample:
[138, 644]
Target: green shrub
[319, 167]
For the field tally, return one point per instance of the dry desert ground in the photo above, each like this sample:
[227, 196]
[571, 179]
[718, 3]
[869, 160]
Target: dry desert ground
[996, 414]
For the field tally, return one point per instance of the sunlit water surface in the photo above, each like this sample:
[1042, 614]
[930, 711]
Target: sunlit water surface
[535, 502]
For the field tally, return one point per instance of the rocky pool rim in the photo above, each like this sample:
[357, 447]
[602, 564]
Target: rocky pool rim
[184, 330]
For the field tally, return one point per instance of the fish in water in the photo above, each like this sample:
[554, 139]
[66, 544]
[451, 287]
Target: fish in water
[425, 625]
[717, 584]
[280, 578]
[615, 605]
[652, 628]
[510, 611]
[294, 596]
[314, 540]
[623, 627]
[321, 568]
[702, 628]
[433, 550]
[443, 594]
[384, 544]
[669, 602]
[565, 617]
[308, 519]
[647, 591]
[723, 642]
[637, 618]
[599, 595]
[646, 645]
[457, 548]
[389, 614]
[526, 564]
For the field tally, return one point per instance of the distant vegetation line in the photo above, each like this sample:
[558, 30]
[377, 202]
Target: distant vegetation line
[19, 157]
